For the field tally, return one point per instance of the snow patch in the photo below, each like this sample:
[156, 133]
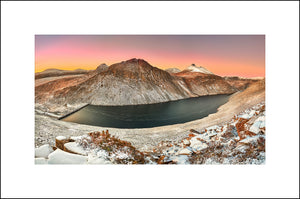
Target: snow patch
[43, 151]
[62, 157]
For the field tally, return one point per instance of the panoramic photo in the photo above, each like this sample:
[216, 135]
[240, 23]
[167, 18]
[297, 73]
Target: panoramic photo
[150, 99]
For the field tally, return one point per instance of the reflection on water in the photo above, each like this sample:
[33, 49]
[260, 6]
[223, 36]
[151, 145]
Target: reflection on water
[150, 115]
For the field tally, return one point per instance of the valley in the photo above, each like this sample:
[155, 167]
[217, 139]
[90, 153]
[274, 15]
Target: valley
[137, 82]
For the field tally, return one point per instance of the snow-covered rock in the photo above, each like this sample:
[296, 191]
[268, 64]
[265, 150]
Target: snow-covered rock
[75, 148]
[180, 159]
[43, 151]
[61, 137]
[199, 146]
[186, 142]
[185, 151]
[94, 159]
[62, 157]
[40, 161]
[75, 137]
[251, 139]
[258, 123]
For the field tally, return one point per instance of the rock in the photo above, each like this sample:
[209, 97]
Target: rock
[199, 146]
[161, 159]
[62, 157]
[40, 161]
[252, 140]
[194, 131]
[181, 159]
[186, 142]
[192, 135]
[60, 141]
[43, 151]
[185, 151]
[73, 147]
[258, 123]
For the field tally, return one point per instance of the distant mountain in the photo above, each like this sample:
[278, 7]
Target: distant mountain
[131, 82]
[51, 72]
[173, 70]
[200, 69]
[201, 81]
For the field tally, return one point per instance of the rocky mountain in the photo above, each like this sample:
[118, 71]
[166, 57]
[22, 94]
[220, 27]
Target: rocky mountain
[204, 82]
[173, 70]
[131, 82]
[57, 72]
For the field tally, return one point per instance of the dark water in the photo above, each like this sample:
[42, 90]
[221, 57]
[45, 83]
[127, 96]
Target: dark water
[150, 115]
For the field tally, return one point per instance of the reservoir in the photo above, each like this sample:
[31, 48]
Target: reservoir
[149, 115]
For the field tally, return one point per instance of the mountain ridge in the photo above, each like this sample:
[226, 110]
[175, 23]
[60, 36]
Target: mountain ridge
[131, 82]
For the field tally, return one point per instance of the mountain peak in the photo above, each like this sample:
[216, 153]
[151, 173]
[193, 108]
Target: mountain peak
[200, 69]
[101, 68]
[135, 60]
[133, 65]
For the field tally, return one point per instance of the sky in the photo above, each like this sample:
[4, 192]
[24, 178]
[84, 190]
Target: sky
[224, 55]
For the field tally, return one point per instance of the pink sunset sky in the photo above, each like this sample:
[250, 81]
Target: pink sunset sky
[224, 55]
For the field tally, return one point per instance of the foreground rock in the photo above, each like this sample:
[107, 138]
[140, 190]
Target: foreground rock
[43, 151]
[221, 144]
[62, 157]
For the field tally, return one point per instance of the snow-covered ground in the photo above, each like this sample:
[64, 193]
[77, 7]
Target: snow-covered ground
[239, 141]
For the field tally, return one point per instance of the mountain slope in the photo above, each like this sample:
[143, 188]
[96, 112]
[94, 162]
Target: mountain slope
[173, 70]
[205, 83]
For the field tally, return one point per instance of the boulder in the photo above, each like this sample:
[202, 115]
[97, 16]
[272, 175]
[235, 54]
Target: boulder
[62, 157]
[61, 140]
[258, 123]
[73, 147]
[186, 142]
[199, 146]
[43, 151]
